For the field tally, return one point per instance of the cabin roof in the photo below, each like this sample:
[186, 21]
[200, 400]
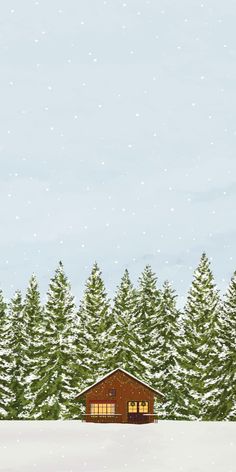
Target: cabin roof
[157, 392]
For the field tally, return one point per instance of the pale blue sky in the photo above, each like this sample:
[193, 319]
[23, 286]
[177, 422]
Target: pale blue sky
[117, 139]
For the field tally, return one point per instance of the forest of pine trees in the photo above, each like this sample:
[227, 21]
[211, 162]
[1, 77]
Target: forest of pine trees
[49, 353]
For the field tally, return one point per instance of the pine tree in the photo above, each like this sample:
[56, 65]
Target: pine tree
[122, 334]
[55, 386]
[33, 316]
[94, 325]
[227, 381]
[5, 361]
[166, 354]
[202, 343]
[16, 334]
[146, 312]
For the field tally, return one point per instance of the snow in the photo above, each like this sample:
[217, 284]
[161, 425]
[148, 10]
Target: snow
[72, 446]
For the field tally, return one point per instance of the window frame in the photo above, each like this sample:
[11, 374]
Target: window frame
[146, 408]
[102, 408]
[132, 406]
[143, 406]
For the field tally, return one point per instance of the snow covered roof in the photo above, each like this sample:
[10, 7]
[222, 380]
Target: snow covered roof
[157, 392]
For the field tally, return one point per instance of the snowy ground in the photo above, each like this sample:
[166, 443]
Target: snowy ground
[76, 447]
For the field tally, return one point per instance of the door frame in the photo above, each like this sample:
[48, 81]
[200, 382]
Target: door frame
[137, 417]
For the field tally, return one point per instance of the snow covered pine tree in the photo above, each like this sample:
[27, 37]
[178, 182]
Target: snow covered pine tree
[122, 335]
[227, 384]
[33, 317]
[54, 387]
[94, 323]
[6, 395]
[166, 353]
[17, 340]
[146, 312]
[202, 345]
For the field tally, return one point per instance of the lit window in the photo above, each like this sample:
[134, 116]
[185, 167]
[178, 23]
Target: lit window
[102, 408]
[110, 408]
[143, 407]
[132, 407]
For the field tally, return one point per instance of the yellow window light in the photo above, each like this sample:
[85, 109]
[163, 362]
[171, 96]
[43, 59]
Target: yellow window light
[102, 408]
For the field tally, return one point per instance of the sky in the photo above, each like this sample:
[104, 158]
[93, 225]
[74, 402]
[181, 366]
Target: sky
[117, 140]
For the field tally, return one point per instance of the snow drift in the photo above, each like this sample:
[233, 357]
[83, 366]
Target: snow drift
[72, 446]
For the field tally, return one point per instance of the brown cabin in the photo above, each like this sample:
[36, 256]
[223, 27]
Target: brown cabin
[119, 397]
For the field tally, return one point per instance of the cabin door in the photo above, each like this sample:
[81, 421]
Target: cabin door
[137, 412]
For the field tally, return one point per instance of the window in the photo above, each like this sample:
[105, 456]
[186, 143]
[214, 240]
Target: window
[132, 407]
[112, 392]
[138, 407]
[143, 407]
[102, 408]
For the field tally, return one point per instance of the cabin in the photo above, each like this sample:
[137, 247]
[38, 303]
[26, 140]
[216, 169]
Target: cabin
[120, 397]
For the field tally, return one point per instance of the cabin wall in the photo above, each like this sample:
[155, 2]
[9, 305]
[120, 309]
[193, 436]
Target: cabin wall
[127, 389]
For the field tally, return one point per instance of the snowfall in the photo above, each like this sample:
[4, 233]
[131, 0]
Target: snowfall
[73, 446]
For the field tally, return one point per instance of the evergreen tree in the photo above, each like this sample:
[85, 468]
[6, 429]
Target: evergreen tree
[55, 385]
[5, 361]
[202, 343]
[33, 316]
[146, 312]
[227, 381]
[166, 354]
[17, 340]
[122, 334]
[94, 325]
